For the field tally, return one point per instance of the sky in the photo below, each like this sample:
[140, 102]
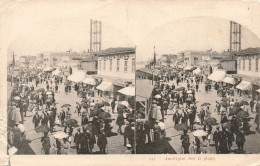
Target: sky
[65, 34]
[200, 33]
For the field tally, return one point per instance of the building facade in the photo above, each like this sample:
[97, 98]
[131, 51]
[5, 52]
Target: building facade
[116, 66]
[248, 69]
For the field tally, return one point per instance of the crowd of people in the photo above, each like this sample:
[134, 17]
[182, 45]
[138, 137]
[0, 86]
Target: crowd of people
[232, 119]
[56, 120]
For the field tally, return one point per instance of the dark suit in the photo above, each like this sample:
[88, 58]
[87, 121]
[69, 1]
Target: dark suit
[77, 141]
[36, 120]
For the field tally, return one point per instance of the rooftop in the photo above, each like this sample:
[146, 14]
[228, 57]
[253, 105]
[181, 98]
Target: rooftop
[117, 50]
[248, 51]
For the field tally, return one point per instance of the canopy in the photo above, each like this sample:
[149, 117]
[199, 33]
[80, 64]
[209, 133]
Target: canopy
[229, 80]
[217, 75]
[197, 71]
[189, 68]
[105, 86]
[89, 80]
[244, 85]
[128, 91]
[56, 72]
[258, 90]
[77, 76]
[143, 90]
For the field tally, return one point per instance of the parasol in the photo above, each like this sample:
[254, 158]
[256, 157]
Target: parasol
[182, 127]
[84, 101]
[211, 121]
[157, 96]
[42, 129]
[125, 103]
[104, 115]
[242, 114]
[106, 103]
[41, 90]
[72, 122]
[228, 125]
[189, 91]
[84, 105]
[200, 133]
[65, 105]
[60, 135]
[180, 88]
[17, 98]
[205, 104]
[48, 93]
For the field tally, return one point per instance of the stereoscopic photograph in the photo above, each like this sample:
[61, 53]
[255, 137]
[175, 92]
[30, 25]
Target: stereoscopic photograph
[129, 79]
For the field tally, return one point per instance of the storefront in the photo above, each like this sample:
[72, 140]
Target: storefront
[245, 88]
[105, 89]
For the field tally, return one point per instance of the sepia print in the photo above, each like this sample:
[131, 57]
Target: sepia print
[113, 79]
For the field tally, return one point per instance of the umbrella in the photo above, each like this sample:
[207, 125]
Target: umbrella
[205, 104]
[244, 103]
[72, 122]
[182, 127]
[180, 88]
[157, 96]
[84, 101]
[48, 93]
[189, 91]
[65, 105]
[91, 128]
[224, 99]
[17, 98]
[42, 129]
[188, 99]
[41, 90]
[48, 100]
[105, 103]
[233, 110]
[199, 133]
[224, 104]
[242, 114]
[210, 120]
[104, 115]
[60, 135]
[125, 103]
[84, 105]
[228, 125]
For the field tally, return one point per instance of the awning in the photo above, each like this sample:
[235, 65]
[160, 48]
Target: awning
[197, 71]
[217, 75]
[128, 91]
[77, 76]
[90, 81]
[229, 80]
[105, 86]
[143, 90]
[258, 90]
[56, 72]
[244, 85]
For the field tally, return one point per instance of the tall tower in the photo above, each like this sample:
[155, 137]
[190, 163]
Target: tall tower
[95, 36]
[235, 37]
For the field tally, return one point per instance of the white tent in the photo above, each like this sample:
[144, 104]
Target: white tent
[77, 76]
[105, 86]
[217, 75]
[229, 80]
[90, 81]
[244, 85]
[128, 91]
